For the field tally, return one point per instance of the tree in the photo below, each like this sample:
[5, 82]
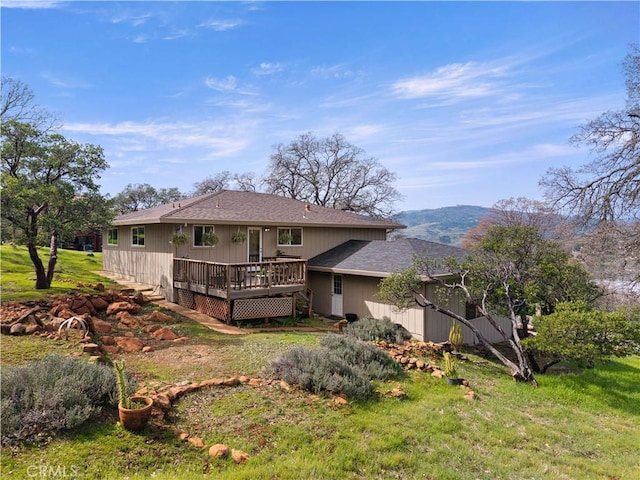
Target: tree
[139, 196]
[333, 173]
[517, 211]
[48, 187]
[576, 332]
[17, 104]
[223, 180]
[511, 270]
[606, 191]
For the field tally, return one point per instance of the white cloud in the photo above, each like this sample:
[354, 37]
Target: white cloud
[268, 68]
[65, 82]
[332, 71]
[457, 80]
[31, 4]
[228, 84]
[222, 25]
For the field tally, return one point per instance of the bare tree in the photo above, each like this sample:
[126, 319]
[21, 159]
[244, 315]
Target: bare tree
[606, 191]
[333, 173]
[224, 180]
[18, 104]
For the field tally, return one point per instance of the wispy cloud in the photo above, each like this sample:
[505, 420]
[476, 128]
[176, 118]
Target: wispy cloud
[268, 68]
[130, 19]
[227, 84]
[31, 4]
[332, 71]
[222, 25]
[65, 82]
[458, 80]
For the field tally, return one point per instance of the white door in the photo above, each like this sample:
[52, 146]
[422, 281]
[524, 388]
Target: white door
[254, 245]
[336, 296]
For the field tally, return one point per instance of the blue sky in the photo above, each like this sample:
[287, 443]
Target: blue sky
[467, 102]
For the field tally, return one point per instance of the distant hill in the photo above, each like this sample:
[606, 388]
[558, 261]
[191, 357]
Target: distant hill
[444, 225]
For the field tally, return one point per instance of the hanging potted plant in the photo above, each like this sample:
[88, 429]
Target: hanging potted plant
[284, 238]
[134, 411]
[179, 238]
[450, 369]
[209, 239]
[238, 237]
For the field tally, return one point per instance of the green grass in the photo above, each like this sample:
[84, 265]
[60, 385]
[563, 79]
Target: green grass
[575, 425]
[17, 274]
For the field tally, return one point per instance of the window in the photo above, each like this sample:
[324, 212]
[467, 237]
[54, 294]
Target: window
[137, 236]
[289, 236]
[112, 236]
[204, 236]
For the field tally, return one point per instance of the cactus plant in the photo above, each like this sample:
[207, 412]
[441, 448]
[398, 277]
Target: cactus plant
[123, 397]
[455, 336]
[449, 365]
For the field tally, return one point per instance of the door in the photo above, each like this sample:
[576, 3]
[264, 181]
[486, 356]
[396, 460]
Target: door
[255, 244]
[336, 296]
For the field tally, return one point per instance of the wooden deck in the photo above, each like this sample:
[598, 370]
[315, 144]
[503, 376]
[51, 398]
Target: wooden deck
[232, 281]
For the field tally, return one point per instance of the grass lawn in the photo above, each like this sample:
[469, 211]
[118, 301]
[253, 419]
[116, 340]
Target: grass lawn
[575, 425]
[17, 274]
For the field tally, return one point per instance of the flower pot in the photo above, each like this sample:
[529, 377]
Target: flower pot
[135, 419]
[454, 381]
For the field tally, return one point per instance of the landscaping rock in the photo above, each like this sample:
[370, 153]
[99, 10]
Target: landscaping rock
[99, 326]
[116, 307]
[219, 450]
[151, 328]
[164, 333]
[239, 456]
[158, 316]
[129, 344]
[99, 303]
[196, 442]
[90, 347]
[127, 320]
[17, 329]
[147, 349]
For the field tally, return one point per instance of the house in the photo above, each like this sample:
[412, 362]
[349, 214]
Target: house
[291, 253]
[262, 276]
[354, 269]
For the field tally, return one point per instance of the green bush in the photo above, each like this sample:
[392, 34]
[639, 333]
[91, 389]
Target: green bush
[51, 394]
[575, 332]
[370, 329]
[369, 359]
[318, 370]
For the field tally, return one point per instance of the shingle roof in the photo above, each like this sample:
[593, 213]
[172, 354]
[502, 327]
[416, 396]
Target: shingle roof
[380, 258]
[237, 207]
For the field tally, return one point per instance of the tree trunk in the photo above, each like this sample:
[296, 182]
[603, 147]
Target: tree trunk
[53, 256]
[41, 276]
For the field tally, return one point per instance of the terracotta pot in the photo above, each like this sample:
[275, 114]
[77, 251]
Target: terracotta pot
[135, 419]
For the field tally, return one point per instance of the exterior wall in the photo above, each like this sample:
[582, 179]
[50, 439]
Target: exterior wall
[151, 264]
[320, 284]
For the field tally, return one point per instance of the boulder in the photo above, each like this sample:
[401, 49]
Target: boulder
[239, 456]
[127, 319]
[196, 442]
[122, 307]
[99, 303]
[219, 450]
[158, 316]
[164, 333]
[99, 326]
[129, 344]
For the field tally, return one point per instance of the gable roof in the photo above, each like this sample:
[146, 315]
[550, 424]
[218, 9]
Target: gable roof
[380, 258]
[238, 207]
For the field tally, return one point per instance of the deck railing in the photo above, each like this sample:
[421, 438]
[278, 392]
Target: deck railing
[239, 276]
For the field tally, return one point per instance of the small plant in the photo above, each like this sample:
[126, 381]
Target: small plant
[238, 237]
[209, 239]
[450, 366]
[455, 336]
[124, 400]
[179, 238]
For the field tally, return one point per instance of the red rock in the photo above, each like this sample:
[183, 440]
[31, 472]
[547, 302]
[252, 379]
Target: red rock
[99, 303]
[17, 329]
[112, 349]
[164, 333]
[239, 456]
[122, 307]
[129, 344]
[100, 326]
[158, 316]
[147, 349]
[162, 401]
[196, 442]
[107, 340]
[90, 347]
[219, 450]
[151, 328]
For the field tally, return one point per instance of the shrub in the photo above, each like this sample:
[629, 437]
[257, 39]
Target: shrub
[51, 394]
[317, 370]
[369, 329]
[369, 359]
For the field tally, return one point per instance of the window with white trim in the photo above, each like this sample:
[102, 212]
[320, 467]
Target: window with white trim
[137, 236]
[112, 236]
[289, 236]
